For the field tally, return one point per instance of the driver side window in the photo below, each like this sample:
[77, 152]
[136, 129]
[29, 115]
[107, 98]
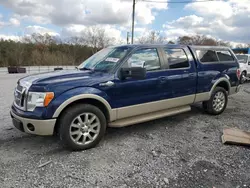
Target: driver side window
[147, 58]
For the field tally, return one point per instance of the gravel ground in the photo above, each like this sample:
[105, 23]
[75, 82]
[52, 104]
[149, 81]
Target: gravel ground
[179, 151]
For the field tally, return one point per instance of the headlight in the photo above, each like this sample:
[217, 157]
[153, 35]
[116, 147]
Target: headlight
[37, 99]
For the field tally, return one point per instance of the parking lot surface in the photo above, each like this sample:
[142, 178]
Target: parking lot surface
[179, 151]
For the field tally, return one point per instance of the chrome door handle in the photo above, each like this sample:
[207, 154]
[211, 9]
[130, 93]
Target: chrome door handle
[107, 84]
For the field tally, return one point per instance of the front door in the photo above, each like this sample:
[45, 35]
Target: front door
[133, 97]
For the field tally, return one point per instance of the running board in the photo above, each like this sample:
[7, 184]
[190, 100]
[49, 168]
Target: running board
[150, 116]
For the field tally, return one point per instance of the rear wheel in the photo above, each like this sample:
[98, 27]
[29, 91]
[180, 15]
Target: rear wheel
[217, 103]
[82, 127]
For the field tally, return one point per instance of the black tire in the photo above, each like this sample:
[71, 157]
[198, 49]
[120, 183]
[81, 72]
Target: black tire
[208, 105]
[67, 118]
[242, 80]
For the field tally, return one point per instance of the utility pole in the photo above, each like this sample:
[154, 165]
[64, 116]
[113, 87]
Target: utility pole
[133, 23]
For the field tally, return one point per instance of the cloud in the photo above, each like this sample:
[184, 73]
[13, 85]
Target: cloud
[38, 29]
[10, 37]
[227, 20]
[12, 22]
[81, 31]
[83, 12]
[186, 21]
[224, 19]
[219, 9]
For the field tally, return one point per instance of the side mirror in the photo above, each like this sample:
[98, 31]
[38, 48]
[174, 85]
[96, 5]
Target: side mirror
[133, 72]
[248, 62]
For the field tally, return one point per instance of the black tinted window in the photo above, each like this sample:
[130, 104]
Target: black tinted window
[177, 58]
[207, 56]
[147, 58]
[225, 56]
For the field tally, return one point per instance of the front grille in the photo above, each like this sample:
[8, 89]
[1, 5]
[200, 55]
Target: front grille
[20, 96]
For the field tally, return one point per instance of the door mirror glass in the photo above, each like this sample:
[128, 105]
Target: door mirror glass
[137, 63]
[145, 58]
[133, 72]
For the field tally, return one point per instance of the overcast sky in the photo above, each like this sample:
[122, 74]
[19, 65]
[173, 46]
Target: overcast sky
[224, 19]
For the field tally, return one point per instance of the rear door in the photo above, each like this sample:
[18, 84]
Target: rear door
[181, 74]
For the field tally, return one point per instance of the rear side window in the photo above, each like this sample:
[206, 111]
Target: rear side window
[177, 58]
[225, 56]
[207, 56]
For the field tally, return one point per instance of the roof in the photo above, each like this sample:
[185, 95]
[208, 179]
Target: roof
[149, 45]
[172, 45]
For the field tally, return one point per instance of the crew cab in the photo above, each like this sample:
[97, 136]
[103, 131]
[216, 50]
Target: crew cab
[124, 85]
[244, 61]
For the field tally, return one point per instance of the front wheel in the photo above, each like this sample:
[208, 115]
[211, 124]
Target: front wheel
[82, 126]
[217, 102]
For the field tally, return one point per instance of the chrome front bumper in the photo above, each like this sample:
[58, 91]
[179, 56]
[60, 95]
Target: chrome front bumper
[34, 126]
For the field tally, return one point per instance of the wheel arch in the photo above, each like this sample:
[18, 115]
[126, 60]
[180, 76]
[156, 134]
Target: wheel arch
[96, 100]
[221, 82]
[245, 71]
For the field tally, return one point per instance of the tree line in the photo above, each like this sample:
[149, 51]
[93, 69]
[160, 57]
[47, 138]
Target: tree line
[45, 50]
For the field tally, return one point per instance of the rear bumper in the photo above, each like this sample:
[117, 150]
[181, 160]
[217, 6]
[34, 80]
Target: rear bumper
[235, 89]
[33, 126]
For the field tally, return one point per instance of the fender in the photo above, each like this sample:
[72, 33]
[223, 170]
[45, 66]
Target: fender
[65, 99]
[216, 82]
[199, 97]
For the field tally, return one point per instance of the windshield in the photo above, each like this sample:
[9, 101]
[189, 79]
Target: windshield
[105, 60]
[242, 58]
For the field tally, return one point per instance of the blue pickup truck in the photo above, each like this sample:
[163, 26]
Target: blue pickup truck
[121, 86]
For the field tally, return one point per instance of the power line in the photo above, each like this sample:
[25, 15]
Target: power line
[176, 2]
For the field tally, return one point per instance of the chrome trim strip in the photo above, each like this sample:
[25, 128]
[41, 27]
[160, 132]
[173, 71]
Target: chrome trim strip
[22, 97]
[199, 97]
[130, 111]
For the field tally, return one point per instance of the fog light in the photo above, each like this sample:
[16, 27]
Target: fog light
[31, 127]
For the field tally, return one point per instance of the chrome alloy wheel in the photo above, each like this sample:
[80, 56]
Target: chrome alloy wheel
[219, 101]
[85, 128]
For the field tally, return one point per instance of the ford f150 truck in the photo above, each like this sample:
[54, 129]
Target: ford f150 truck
[121, 86]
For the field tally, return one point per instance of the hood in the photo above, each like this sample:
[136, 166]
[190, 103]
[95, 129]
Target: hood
[72, 78]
